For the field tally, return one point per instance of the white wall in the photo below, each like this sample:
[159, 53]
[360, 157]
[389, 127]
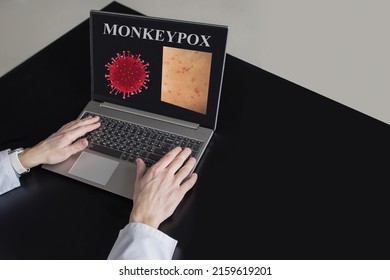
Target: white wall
[339, 49]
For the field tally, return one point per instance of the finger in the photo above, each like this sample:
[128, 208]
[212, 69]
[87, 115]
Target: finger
[78, 123]
[167, 158]
[84, 122]
[141, 168]
[185, 170]
[76, 146]
[178, 161]
[64, 127]
[188, 184]
[80, 131]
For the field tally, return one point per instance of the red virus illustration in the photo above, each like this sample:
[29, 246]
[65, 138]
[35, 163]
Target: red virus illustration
[128, 74]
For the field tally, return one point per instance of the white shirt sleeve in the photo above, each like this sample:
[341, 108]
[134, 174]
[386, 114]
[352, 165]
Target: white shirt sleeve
[8, 178]
[137, 241]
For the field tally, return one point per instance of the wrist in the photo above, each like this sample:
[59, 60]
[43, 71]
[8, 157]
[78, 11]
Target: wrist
[143, 220]
[17, 165]
[26, 158]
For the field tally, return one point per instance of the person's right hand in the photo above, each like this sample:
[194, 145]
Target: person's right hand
[160, 188]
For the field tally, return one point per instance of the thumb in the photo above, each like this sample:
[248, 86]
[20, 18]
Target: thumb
[141, 168]
[78, 146]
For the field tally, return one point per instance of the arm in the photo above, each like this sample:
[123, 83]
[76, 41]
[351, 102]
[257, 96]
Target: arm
[8, 178]
[158, 191]
[138, 241]
[56, 148]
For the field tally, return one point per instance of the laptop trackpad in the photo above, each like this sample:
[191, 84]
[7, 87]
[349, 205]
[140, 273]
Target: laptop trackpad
[94, 168]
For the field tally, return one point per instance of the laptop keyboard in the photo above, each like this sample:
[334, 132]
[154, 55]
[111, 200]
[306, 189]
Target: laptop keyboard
[128, 141]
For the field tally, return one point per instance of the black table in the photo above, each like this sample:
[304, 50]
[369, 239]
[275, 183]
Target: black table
[289, 174]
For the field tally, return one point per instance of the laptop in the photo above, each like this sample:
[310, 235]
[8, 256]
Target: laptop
[156, 84]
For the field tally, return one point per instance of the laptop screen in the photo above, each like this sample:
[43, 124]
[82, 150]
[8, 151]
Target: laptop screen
[164, 66]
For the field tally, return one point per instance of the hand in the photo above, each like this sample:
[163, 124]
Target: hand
[159, 189]
[60, 145]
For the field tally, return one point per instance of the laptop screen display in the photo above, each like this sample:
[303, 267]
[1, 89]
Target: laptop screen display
[168, 67]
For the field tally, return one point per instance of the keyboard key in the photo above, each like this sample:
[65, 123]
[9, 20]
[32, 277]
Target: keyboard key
[128, 141]
[154, 157]
[105, 150]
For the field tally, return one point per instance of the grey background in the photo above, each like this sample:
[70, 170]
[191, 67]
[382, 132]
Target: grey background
[337, 48]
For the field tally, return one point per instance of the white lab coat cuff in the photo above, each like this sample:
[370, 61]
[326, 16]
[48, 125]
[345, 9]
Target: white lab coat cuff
[139, 241]
[8, 178]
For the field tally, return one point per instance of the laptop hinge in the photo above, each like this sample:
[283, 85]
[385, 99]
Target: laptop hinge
[149, 115]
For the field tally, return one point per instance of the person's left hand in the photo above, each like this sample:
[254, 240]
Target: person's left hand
[60, 145]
